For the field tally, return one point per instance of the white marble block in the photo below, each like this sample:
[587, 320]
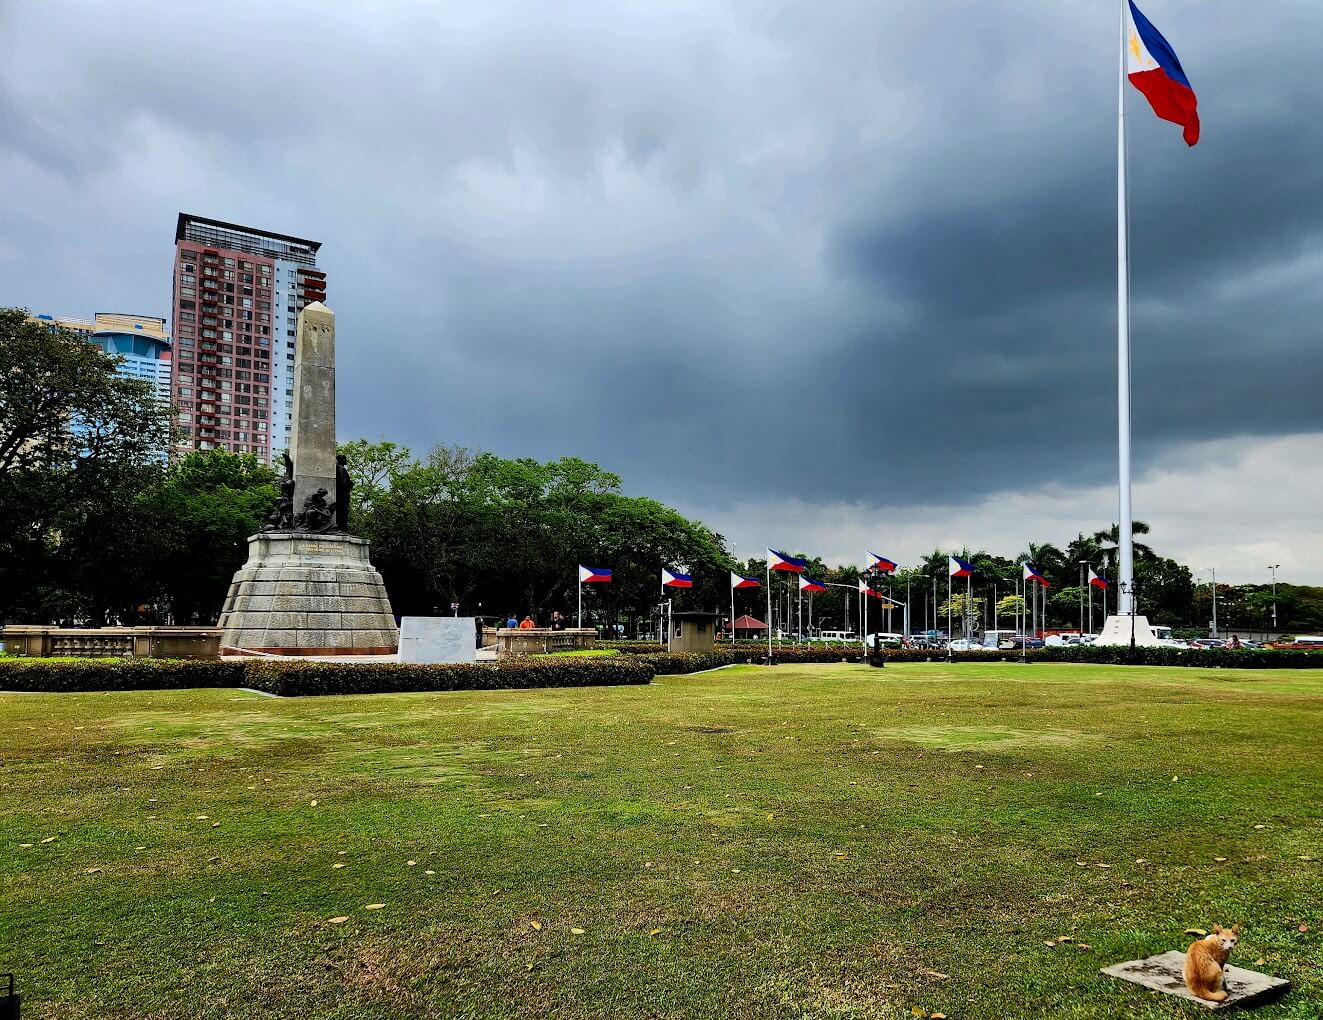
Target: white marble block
[438, 639]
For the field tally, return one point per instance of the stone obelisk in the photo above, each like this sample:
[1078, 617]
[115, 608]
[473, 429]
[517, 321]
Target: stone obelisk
[308, 588]
[312, 443]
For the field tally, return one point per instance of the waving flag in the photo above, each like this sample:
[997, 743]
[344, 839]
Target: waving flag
[789, 564]
[670, 579]
[594, 575]
[958, 567]
[865, 590]
[808, 584]
[1031, 574]
[1096, 580]
[881, 564]
[1152, 67]
[740, 581]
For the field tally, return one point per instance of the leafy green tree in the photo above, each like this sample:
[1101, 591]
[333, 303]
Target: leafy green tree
[78, 445]
[195, 525]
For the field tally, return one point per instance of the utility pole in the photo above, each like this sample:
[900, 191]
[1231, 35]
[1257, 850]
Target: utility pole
[1083, 564]
[1213, 573]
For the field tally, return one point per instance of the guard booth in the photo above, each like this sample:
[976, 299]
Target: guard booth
[693, 632]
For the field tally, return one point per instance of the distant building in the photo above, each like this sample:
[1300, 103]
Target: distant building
[237, 294]
[140, 340]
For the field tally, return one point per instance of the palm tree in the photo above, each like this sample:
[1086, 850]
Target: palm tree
[1110, 540]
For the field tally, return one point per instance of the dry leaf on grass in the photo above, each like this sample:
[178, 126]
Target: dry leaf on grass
[535, 925]
[1303, 928]
[374, 906]
[337, 920]
[52, 839]
[576, 931]
[1220, 860]
[94, 871]
[337, 867]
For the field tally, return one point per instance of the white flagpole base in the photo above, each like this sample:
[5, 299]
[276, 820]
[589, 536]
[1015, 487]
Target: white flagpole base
[1116, 631]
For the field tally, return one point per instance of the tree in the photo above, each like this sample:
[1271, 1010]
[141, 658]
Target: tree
[78, 445]
[195, 525]
[1109, 541]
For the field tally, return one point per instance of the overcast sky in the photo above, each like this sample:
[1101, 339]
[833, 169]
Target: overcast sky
[825, 275]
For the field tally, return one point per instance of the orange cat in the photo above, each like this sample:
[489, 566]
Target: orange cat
[1204, 961]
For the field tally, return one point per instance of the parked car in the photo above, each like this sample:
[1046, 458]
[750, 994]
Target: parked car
[837, 636]
[887, 640]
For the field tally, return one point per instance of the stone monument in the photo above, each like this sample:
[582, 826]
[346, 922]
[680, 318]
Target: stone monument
[308, 587]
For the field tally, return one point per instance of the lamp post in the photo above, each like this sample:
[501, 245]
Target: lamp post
[1213, 573]
[1083, 565]
[1131, 591]
[1274, 567]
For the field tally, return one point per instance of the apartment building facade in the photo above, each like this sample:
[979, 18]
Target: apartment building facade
[237, 292]
[141, 341]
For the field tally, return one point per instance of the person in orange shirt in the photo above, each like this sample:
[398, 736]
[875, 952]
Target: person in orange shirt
[527, 623]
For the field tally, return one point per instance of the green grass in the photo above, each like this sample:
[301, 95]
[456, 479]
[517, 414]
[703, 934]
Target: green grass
[580, 653]
[805, 841]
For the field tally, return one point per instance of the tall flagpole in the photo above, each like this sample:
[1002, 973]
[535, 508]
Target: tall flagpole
[1125, 549]
[732, 614]
[580, 587]
[769, 612]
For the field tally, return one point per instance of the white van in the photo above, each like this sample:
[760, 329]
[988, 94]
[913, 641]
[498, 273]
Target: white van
[887, 640]
[837, 636]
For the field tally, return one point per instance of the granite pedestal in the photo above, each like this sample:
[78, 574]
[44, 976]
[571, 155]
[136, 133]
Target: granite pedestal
[303, 594]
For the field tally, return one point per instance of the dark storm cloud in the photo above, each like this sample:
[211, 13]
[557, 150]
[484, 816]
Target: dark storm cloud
[727, 250]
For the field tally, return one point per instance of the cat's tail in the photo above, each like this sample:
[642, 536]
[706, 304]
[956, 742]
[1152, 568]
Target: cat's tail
[1217, 996]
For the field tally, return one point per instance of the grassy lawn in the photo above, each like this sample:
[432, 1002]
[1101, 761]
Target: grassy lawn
[802, 841]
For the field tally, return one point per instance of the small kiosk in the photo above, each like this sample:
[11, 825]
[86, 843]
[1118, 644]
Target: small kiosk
[692, 632]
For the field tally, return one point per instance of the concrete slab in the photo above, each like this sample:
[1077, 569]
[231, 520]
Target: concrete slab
[1162, 973]
[438, 639]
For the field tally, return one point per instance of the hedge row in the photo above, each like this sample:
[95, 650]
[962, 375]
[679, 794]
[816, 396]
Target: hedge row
[297, 678]
[118, 674]
[1207, 658]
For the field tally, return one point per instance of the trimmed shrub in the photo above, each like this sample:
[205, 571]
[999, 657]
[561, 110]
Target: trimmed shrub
[117, 674]
[1207, 658]
[296, 679]
[633, 647]
[675, 663]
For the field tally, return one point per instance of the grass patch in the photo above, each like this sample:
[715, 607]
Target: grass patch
[825, 841]
[580, 653]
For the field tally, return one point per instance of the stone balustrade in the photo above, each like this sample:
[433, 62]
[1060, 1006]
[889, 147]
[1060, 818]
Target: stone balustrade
[112, 642]
[540, 640]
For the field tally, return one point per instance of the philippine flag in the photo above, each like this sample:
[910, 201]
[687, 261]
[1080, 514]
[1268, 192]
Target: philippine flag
[1031, 574]
[808, 584]
[881, 564]
[671, 579]
[790, 564]
[740, 581]
[865, 590]
[594, 575]
[1096, 580]
[958, 567]
[1152, 67]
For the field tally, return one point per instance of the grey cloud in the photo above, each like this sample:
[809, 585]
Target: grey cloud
[722, 248]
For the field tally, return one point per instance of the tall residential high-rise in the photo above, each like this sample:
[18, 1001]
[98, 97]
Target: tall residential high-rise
[141, 340]
[237, 295]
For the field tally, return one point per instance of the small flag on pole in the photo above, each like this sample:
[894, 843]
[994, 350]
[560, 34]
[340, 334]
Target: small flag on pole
[959, 567]
[789, 564]
[1152, 67]
[1097, 580]
[740, 581]
[1031, 574]
[808, 584]
[864, 589]
[881, 564]
[594, 575]
[670, 579]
